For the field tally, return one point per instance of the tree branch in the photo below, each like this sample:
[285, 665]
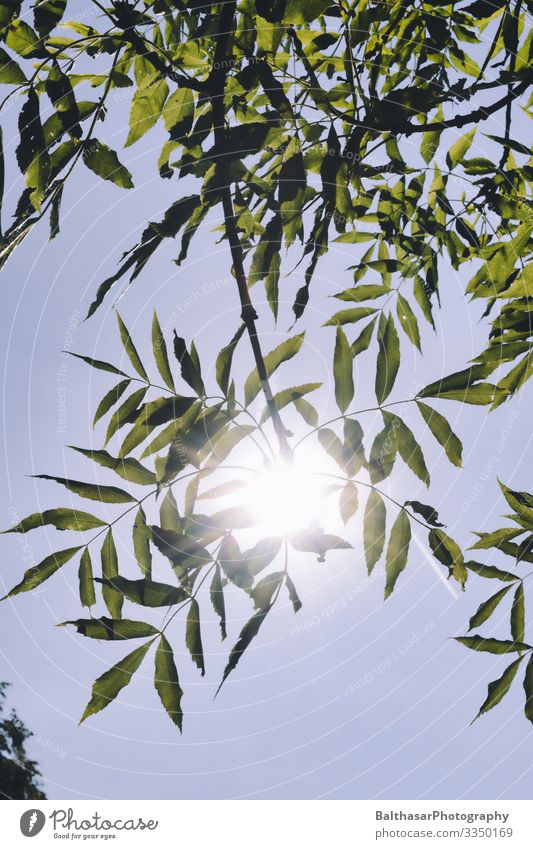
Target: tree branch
[216, 85]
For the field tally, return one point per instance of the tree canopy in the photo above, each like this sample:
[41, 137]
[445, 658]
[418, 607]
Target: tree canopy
[305, 123]
[19, 775]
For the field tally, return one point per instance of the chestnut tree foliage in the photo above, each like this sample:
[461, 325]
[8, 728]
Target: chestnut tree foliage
[303, 123]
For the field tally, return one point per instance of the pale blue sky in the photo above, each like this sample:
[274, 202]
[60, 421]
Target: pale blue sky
[351, 698]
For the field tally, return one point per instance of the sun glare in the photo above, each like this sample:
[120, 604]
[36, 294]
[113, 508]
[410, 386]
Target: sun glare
[285, 498]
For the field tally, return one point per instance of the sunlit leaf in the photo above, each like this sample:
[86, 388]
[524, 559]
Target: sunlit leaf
[159, 348]
[443, 433]
[374, 527]
[343, 371]
[388, 361]
[397, 550]
[286, 351]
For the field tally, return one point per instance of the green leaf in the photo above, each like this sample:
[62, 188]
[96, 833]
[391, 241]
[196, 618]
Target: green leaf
[331, 443]
[146, 109]
[234, 564]
[289, 396]
[374, 526]
[499, 688]
[112, 629]
[458, 150]
[293, 595]
[528, 689]
[98, 364]
[348, 501]
[246, 636]
[343, 371]
[35, 576]
[307, 411]
[383, 454]
[141, 543]
[21, 38]
[130, 349]
[85, 578]
[109, 399]
[364, 339]
[443, 433]
[183, 551]
[408, 321]
[167, 683]
[449, 554]
[217, 600]
[490, 571]
[10, 73]
[62, 518]
[388, 361]
[104, 162]
[430, 141]
[487, 608]
[224, 360]
[286, 351]
[128, 411]
[107, 687]
[494, 538]
[353, 450]
[292, 185]
[126, 467]
[397, 550]
[408, 447]
[47, 15]
[169, 514]
[147, 593]
[190, 370]
[350, 316]
[112, 598]
[265, 591]
[518, 615]
[489, 644]
[178, 113]
[92, 491]
[317, 541]
[520, 502]
[429, 513]
[193, 636]
[161, 354]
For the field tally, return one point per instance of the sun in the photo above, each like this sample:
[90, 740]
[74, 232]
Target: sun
[285, 497]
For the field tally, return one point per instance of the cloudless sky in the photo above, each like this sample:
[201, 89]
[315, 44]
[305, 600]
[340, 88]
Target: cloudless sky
[350, 698]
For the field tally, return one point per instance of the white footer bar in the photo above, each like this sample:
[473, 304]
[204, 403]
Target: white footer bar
[262, 824]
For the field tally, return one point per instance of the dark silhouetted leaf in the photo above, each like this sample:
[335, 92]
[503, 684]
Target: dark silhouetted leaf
[37, 574]
[107, 687]
[193, 636]
[167, 683]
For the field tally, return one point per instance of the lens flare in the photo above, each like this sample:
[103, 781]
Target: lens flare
[285, 498]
